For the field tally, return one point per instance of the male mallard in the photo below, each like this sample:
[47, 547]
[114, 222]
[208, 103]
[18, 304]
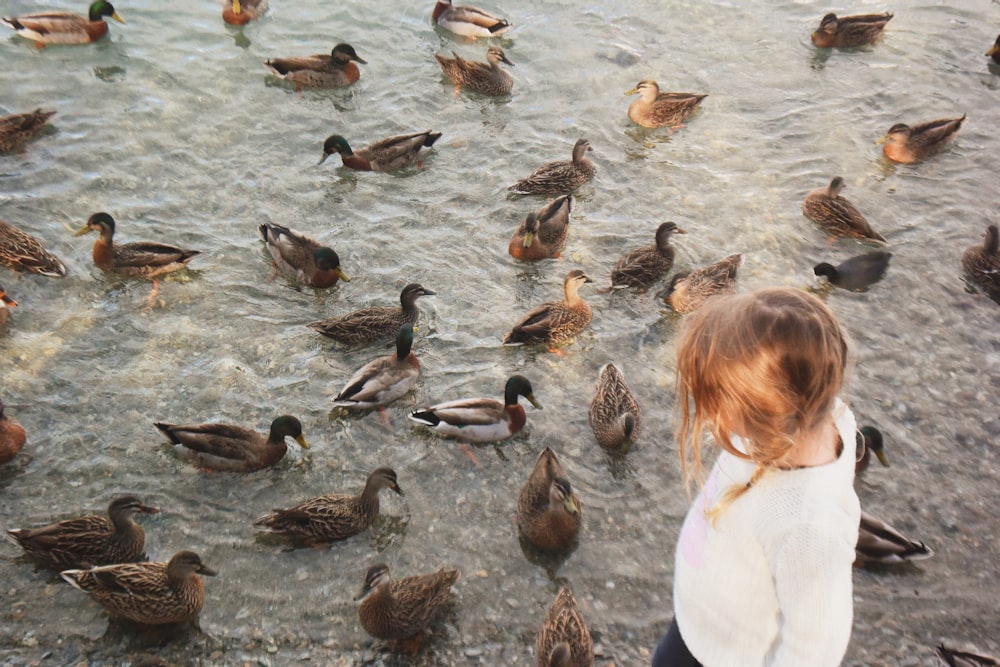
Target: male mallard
[982, 263]
[87, 540]
[332, 517]
[487, 78]
[400, 608]
[141, 259]
[554, 178]
[542, 234]
[320, 71]
[856, 273]
[869, 440]
[65, 27]
[6, 303]
[656, 109]
[376, 322]
[302, 257]
[563, 640]
[385, 379]
[554, 323]
[389, 154]
[644, 266]
[480, 419]
[690, 289]
[878, 542]
[994, 51]
[147, 593]
[548, 512]
[954, 658]
[906, 144]
[241, 12]
[12, 435]
[614, 413]
[15, 130]
[233, 448]
[22, 252]
[467, 20]
[836, 215]
[848, 31]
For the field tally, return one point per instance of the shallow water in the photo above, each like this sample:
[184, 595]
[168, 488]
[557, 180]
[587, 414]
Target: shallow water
[174, 127]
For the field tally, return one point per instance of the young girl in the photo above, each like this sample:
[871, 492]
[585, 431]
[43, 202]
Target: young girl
[763, 564]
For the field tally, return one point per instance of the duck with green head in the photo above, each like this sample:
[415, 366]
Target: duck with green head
[385, 379]
[543, 233]
[302, 257]
[65, 27]
[480, 419]
[389, 154]
[335, 70]
[233, 448]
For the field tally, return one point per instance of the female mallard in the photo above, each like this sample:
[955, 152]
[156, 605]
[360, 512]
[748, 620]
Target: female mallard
[147, 593]
[480, 419]
[12, 435]
[17, 129]
[954, 658]
[400, 608]
[302, 257]
[385, 379]
[836, 214]
[141, 259]
[332, 517]
[467, 20]
[906, 144]
[22, 252]
[563, 640]
[994, 51]
[644, 266]
[982, 263]
[614, 413]
[241, 12]
[542, 234]
[857, 273]
[849, 31]
[554, 323]
[869, 441]
[389, 154]
[548, 512]
[6, 303]
[554, 178]
[65, 27]
[656, 109]
[376, 322]
[233, 448]
[690, 289]
[487, 78]
[320, 71]
[878, 542]
[87, 540]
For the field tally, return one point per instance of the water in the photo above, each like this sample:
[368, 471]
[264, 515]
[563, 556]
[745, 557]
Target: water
[174, 127]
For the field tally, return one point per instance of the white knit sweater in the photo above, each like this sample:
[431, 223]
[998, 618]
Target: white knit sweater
[770, 582]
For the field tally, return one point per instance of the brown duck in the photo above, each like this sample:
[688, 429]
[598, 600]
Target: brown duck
[395, 609]
[835, 214]
[376, 322]
[548, 512]
[554, 323]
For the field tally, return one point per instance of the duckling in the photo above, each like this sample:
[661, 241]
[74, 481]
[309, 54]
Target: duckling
[6, 303]
[870, 441]
[548, 512]
[486, 78]
[690, 289]
[376, 322]
[828, 209]
[857, 273]
[560, 176]
[849, 31]
[17, 129]
[954, 658]
[302, 257]
[385, 379]
[563, 640]
[233, 448]
[332, 517]
[241, 12]
[994, 51]
[21, 251]
[554, 323]
[12, 434]
[480, 419]
[319, 71]
[644, 266]
[141, 259]
[906, 144]
[981, 263]
[614, 413]
[389, 154]
[878, 542]
[467, 20]
[65, 27]
[400, 608]
[656, 109]
[542, 234]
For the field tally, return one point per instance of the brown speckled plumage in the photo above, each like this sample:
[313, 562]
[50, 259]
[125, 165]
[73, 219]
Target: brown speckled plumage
[835, 214]
[554, 322]
[549, 513]
[374, 323]
[564, 640]
[394, 609]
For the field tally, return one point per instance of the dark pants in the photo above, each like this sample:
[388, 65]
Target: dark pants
[672, 651]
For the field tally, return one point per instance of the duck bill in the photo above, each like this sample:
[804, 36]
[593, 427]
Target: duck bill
[397, 490]
[882, 458]
[323, 159]
[83, 230]
[882, 140]
[570, 505]
[632, 92]
[531, 399]
[359, 59]
[302, 442]
[340, 274]
[237, 8]
[993, 50]
[207, 571]
[145, 509]
[118, 18]
[529, 238]
[504, 60]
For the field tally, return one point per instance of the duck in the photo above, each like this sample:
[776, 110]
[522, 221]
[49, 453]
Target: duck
[548, 512]
[142, 259]
[564, 640]
[954, 658]
[849, 31]
[994, 51]
[869, 441]
[12, 434]
[542, 234]
[376, 322]
[302, 257]
[320, 71]
[554, 323]
[397, 609]
[857, 273]
[232, 448]
[147, 593]
[389, 154]
[241, 12]
[65, 27]
[6, 303]
[981, 263]
[878, 542]
[481, 419]
[688, 290]
[467, 20]
[561, 176]
[835, 214]
[17, 129]
[20, 251]
[614, 413]
[644, 266]
[908, 144]
[655, 109]
[87, 540]
[383, 380]
[331, 517]
[487, 78]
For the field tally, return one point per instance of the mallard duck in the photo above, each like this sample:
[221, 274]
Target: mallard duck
[836, 215]
[563, 640]
[376, 322]
[954, 658]
[400, 608]
[554, 178]
[140, 259]
[65, 27]
[487, 78]
[12, 435]
[385, 379]
[857, 273]
[480, 419]
[17, 129]
[233, 448]
[87, 540]
[331, 517]
[869, 441]
[982, 263]
[389, 154]
[906, 144]
[878, 542]
[994, 51]
[241, 12]
[848, 31]
[6, 303]
[554, 323]
[147, 593]
[656, 109]
[542, 234]
[644, 266]
[614, 413]
[320, 71]
[467, 20]
[22, 252]
[688, 290]
[548, 512]
[302, 257]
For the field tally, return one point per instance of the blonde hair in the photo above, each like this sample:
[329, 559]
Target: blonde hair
[764, 365]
